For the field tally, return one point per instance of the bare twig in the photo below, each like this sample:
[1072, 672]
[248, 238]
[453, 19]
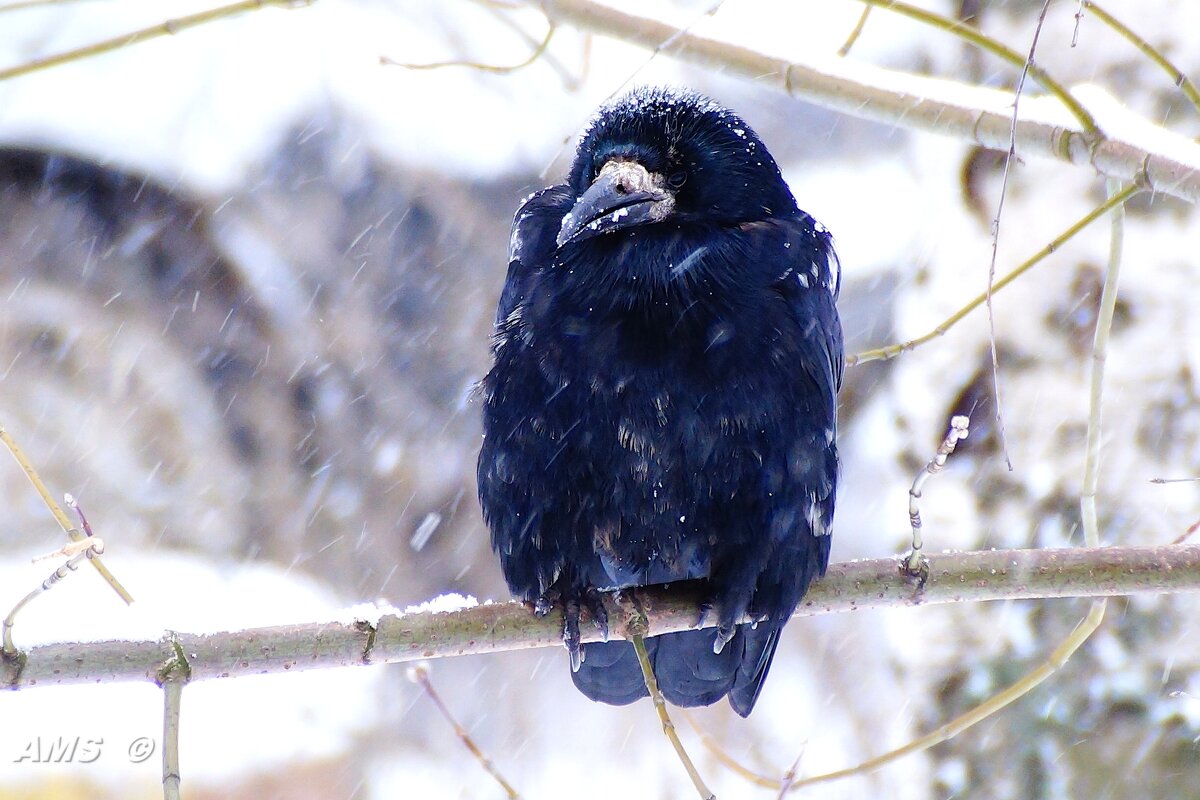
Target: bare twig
[59, 516]
[501, 13]
[844, 50]
[975, 114]
[668, 727]
[495, 69]
[1108, 304]
[1010, 155]
[976, 37]
[1095, 616]
[172, 699]
[915, 564]
[21, 5]
[1078, 22]
[959, 724]
[172, 676]
[1183, 537]
[73, 504]
[419, 674]
[89, 547]
[75, 553]
[789, 777]
[168, 27]
[1178, 77]
[953, 578]
[718, 752]
[893, 350]
[667, 43]
[977, 714]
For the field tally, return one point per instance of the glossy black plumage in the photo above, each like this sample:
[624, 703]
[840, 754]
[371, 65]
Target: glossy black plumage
[662, 404]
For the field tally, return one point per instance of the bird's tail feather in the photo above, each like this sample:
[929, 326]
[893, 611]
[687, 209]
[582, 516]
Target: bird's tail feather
[689, 673]
[758, 650]
[610, 672]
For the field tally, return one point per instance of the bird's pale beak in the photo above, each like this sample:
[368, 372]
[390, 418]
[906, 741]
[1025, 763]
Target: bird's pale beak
[623, 195]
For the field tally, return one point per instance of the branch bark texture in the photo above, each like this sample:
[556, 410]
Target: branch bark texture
[1126, 146]
[496, 627]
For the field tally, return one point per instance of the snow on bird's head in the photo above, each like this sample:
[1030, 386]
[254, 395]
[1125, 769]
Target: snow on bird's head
[730, 173]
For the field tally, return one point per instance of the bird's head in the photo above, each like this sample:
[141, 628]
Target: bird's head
[658, 155]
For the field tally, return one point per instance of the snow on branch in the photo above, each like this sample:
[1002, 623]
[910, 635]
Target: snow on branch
[1124, 146]
[497, 627]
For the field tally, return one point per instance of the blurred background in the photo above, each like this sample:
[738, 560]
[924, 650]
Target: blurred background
[247, 278]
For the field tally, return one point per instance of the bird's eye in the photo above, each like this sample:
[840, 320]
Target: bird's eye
[676, 180]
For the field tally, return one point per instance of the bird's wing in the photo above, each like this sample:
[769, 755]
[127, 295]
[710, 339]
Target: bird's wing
[531, 242]
[809, 278]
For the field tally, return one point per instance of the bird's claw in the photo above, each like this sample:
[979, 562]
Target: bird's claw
[573, 603]
[595, 606]
[570, 634]
[724, 634]
[544, 604]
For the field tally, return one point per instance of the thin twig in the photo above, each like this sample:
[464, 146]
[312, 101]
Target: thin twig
[1178, 77]
[172, 677]
[915, 564]
[1183, 537]
[719, 753]
[1078, 22]
[1010, 155]
[976, 37]
[977, 714]
[419, 674]
[495, 69]
[789, 777]
[844, 50]
[75, 552]
[970, 113]
[1108, 304]
[892, 350]
[501, 12]
[59, 516]
[668, 727]
[172, 699]
[21, 5]
[167, 28]
[1095, 616]
[666, 44]
[73, 504]
[499, 627]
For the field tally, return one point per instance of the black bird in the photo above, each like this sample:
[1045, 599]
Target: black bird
[662, 404]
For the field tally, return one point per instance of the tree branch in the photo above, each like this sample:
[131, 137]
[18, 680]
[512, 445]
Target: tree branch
[1143, 152]
[496, 627]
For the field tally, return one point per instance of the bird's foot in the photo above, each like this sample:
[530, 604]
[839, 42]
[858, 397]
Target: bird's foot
[570, 633]
[574, 601]
[725, 632]
[594, 602]
[725, 628]
[544, 604]
[731, 609]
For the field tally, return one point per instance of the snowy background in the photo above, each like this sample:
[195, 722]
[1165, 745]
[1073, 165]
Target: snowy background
[247, 276]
